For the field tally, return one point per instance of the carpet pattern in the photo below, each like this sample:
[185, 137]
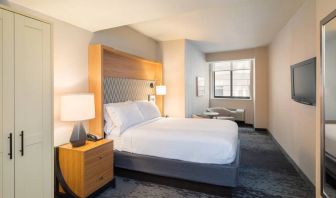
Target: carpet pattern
[264, 172]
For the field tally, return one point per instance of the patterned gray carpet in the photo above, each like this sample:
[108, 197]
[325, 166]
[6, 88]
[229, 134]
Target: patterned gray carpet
[264, 172]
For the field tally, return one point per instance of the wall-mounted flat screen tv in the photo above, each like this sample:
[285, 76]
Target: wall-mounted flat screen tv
[304, 82]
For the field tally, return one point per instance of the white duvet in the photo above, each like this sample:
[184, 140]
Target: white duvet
[195, 140]
[330, 139]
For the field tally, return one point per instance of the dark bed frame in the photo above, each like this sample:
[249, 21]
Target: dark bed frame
[330, 165]
[215, 174]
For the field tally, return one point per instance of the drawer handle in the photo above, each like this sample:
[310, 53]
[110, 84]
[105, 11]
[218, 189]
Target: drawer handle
[101, 178]
[22, 143]
[100, 157]
[10, 137]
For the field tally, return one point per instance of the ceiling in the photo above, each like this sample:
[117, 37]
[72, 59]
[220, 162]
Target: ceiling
[234, 24]
[213, 25]
[95, 15]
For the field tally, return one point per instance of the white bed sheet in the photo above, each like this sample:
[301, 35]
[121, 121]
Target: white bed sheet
[330, 139]
[194, 140]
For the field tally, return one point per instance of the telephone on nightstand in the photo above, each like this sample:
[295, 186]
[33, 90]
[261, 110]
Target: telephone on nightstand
[93, 138]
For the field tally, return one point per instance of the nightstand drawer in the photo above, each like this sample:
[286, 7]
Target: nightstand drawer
[94, 165]
[98, 152]
[87, 168]
[98, 181]
[97, 156]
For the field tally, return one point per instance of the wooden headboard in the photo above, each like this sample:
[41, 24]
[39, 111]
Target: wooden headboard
[108, 62]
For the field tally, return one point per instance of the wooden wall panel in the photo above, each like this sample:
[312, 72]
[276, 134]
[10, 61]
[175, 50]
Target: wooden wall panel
[96, 125]
[159, 81]
[120, 66]
[105, 61]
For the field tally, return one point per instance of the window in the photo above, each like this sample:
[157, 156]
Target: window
[232, 79]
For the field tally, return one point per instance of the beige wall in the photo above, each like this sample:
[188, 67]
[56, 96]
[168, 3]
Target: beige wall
[182, 63]
[291, 123]
[70, 55]
[129, 40]
[261, 87]
[71, 61]
[323, 8]
[70, 65]
[173, 59]
[195, 66]
[70, 71]
[256, 110]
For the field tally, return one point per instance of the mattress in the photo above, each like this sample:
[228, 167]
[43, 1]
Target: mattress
[330, 139]
[208, 141]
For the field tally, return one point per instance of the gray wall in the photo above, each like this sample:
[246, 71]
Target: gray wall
[195, 66]
[129, 40]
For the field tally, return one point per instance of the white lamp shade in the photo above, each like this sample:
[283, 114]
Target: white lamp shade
[77, 107]
[161, 90]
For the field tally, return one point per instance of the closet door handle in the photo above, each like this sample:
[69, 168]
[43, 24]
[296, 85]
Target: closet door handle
[22, 143]
[10, 137]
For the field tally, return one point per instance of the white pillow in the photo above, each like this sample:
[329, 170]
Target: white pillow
[148, 109]
[109, 126]
[115, 131]
[124, 116]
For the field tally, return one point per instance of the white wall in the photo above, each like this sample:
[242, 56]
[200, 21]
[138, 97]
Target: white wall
[291, 123]
[195, 66]
[173, 59]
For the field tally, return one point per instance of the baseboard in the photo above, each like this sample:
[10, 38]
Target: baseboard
[243, 124]
[261, 129]
[297, 168]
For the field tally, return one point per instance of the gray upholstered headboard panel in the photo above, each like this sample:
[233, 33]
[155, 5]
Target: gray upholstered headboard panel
[123, 89]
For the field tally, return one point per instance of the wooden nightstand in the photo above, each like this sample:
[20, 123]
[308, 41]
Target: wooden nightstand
[88, 168]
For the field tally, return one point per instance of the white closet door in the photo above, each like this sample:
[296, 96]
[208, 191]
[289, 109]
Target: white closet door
[33, 112]
[6, 103]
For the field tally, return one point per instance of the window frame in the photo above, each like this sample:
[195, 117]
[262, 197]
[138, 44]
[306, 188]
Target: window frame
[231, 82]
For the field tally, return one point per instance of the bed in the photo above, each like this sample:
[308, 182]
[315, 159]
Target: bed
[199, 150]
[330, 149]
[182, 139]
[205, 151]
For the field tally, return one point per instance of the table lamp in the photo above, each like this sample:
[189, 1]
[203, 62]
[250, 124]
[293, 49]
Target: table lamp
[77, 107]
[161, 90]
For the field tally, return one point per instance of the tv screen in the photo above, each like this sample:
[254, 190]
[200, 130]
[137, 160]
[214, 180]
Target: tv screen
[304, 82]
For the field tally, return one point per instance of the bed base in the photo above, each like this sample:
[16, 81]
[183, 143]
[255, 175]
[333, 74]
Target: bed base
[221, 174]
[330, 165]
